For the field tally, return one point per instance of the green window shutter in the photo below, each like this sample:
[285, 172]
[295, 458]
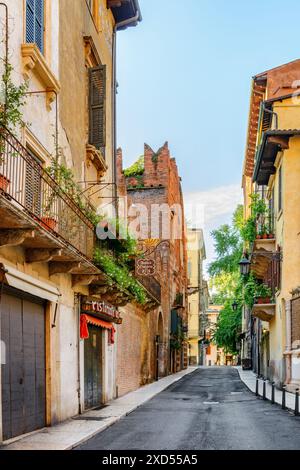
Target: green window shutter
[174, 322]
[97, 92]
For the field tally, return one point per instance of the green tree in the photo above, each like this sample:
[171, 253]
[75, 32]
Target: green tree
[226, 282]
[228, 245]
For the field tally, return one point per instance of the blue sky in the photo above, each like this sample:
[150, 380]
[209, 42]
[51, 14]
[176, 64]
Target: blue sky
[184, 76]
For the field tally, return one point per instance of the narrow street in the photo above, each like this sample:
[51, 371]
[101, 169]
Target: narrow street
[206, 410]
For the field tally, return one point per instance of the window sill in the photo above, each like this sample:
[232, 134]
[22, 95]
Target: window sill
[34, 61]
[95, 157]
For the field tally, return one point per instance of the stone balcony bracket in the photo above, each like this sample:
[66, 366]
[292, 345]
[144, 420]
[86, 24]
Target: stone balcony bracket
[265, 312]
[34, 62]
[95, 157]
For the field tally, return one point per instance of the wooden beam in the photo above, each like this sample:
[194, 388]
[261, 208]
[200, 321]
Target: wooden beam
[115, 3]
[98, 290]
[15, 237]
[283, 141]
[60, 267]
[41, 255]
[82, 279]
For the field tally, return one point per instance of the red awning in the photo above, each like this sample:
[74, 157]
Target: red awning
[84, 331]
[97, 322]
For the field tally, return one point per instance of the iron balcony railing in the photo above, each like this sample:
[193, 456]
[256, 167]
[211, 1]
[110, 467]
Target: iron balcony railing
[152, 286]
[30, 188]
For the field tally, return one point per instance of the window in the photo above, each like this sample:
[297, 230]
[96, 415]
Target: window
[35, 23]
[97, 88]
[280, 189]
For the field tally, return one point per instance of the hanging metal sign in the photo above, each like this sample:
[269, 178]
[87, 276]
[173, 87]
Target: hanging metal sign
[145, 267]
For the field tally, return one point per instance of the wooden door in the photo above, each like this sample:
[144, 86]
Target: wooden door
[23, 374]
[93, 368]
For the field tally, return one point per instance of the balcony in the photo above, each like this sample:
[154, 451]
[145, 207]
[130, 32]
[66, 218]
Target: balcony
[264, 310]
[37, 215]
[153, 288]
[273, 141]
[264, 246]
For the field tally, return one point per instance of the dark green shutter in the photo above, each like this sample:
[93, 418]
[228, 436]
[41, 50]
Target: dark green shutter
[174, 322]
[97, 91]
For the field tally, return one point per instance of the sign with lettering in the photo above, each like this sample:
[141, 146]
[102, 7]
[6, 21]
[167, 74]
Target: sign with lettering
[102, 308]
[145, 267]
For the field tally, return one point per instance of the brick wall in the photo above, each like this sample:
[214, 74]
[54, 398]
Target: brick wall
[160, 184]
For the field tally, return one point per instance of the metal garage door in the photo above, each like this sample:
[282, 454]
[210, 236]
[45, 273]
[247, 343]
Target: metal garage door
[92, 368]
[23, 374]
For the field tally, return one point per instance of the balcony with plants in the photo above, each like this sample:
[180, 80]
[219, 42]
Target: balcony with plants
[43, 210]
[258, 234]
[260, 298]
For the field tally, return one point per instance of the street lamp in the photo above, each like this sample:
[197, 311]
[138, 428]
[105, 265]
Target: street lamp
[234, 306]
[244, 265]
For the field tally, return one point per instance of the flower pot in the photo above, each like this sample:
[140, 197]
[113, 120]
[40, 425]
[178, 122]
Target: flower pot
[49, 223]
[271, 236]
[264, 300]
[265, 236]
[258, 237]
[4, 182]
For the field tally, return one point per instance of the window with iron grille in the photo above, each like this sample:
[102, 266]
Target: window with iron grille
[97, 118]
[35, 23]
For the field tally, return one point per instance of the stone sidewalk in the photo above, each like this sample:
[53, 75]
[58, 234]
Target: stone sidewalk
[79, 429]
[249, 379]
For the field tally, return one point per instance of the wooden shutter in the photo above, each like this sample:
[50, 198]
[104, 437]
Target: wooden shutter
[33, 185]
[35, 23]
[39, 24]
[97, 89]
[30, 21]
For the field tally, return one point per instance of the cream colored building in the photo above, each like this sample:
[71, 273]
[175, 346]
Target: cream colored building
[214, 356]
[66, 51]
[198, 298]
[272, 170]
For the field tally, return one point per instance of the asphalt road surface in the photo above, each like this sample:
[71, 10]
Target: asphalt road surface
[206, 410]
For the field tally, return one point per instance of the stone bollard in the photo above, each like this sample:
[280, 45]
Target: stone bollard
[264, 389]
[256, 387]
[297, 402]
[273, 393]
[283, 406]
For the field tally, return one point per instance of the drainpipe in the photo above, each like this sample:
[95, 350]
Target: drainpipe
[6, 51]
[121, 24]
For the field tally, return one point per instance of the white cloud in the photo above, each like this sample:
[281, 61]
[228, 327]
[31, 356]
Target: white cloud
[210, 209]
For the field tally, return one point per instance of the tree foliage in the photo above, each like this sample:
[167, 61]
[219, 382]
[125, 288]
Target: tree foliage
[226, 282]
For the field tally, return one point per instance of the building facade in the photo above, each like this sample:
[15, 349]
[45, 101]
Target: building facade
[152, 188]
[59, 309]
[212, 355]
[271, 172]
[198, 294]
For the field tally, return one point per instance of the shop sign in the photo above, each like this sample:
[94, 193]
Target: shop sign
[102, 308]
[145, 267]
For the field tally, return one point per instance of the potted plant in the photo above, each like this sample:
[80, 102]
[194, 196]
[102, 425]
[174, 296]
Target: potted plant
[263, 294]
